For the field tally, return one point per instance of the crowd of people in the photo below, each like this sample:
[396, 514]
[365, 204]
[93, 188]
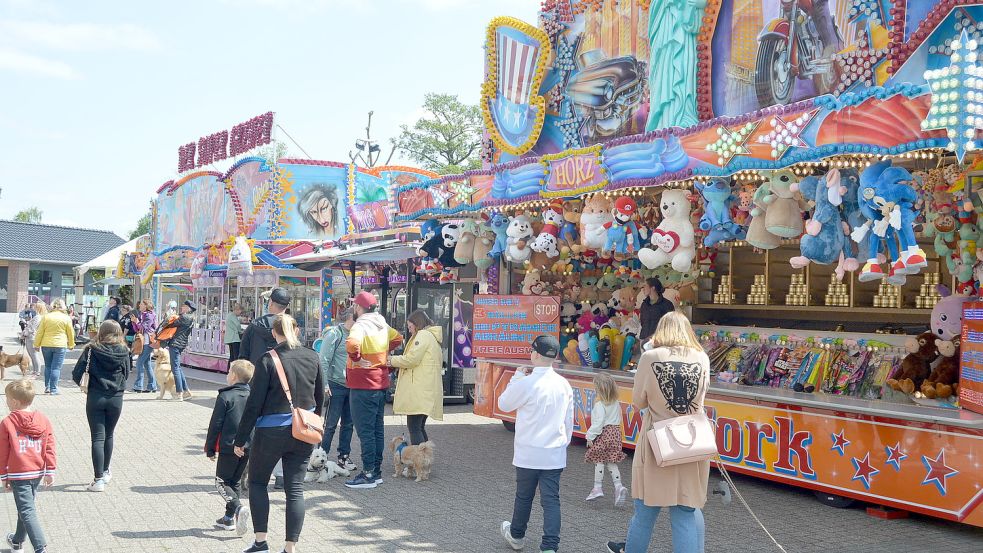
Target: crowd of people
[276, 387]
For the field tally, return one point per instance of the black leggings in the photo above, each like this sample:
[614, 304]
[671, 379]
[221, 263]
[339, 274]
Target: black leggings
[103, 413]
[418, 434]
[270, 445]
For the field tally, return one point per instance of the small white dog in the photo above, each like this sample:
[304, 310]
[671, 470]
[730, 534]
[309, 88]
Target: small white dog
[320, 469]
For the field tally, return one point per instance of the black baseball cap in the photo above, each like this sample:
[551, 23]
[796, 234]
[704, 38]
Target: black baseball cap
[190, 305]
[547, 346]
[280, 296]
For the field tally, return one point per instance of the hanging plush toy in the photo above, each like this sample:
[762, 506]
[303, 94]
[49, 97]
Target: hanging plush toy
[673, 240]
[430, 250]
[597, 213]
[784, 216]
[499, 225]
[519, 234]
[823, 240]
[622, 232]
[716, 220]
[569, 235]
[757, 232]
[547, 240]
[852, 217]
[742, 209]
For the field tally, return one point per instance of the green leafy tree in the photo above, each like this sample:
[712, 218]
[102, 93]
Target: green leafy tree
[273, 152]
[144, 224]
[29, 215]
[447, 139]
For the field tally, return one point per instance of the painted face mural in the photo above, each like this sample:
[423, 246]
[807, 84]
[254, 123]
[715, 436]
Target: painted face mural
[318, 207]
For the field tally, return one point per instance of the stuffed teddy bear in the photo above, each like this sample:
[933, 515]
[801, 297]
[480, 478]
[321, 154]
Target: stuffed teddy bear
[716, 220]
[823, 241]
[622, 231]
[622, 303]
[917, 365]
[533, 285]
[519, 233]
[945, 375]
[784, 215]
[596, 213]
[757, 232]
[673, 240]
[569, 234]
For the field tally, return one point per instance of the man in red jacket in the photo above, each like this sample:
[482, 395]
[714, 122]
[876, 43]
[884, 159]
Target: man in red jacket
[27, 458]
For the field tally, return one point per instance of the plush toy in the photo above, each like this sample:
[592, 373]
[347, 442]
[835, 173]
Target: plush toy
[784, 216]
[570, 353]
[742, 209]
[607, 284]
[716, 220]
[622, 303]
[548, 238]
[533, 285]
[519, 233]
[483, 245]
[622, 231]
[823, 240]
[947, 315]
[499, 224]
[464, 250]
[589, 293]
[449, 235]
[852, 216]
[944, 378]
[757, 232]
[597, 213]
[673, 240]
[569, 234]
[917, 365]
[430, 250]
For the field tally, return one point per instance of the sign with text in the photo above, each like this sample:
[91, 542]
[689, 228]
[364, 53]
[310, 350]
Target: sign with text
[971, 357]
[243, 137]
[574, 172]
[505, 326]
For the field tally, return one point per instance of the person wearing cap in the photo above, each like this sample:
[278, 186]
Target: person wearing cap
[369, 343]
[543, 402]
[183, 323]
[258, 337]
[653, 307]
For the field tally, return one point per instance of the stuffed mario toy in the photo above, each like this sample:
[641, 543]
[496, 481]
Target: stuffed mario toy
[622, 235]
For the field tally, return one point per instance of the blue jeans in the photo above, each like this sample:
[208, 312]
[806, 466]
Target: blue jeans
[180, 384]
[368, 410]
[688, 531]
[54, 358]
[339, 409]
[145, 366]
[548, 482]
[28, 523]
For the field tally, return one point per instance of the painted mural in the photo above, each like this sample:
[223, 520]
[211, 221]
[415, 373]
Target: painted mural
[313, 203]
[195, 210]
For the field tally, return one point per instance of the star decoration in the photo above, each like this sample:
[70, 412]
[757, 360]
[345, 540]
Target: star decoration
[440, 195]
[957, 97]
[786, 134]
[937, 471]
[731, 143]
[895, 456]
[864, 470]
[839, 443]
[462, 191]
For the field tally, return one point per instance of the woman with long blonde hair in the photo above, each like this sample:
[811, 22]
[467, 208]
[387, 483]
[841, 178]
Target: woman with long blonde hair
[54, 337]
[40, 310]
[671, 381]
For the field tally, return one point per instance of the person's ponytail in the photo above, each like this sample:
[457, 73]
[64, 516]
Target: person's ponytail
[286, 326]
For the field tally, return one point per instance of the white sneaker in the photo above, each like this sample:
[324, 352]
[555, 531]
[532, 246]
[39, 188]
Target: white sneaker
[14, 546]
[97, 486]
[107, 476]
[620, 495]
[242, 520]
[595, 492]
[514, 543]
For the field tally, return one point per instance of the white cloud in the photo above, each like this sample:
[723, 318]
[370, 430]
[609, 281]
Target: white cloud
[79, 36]
[12, 60]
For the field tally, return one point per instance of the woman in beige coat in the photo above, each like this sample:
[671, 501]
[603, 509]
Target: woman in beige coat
[419, 387]
[671, 381]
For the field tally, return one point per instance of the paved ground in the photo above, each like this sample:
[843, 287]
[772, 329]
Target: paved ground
[162, 499]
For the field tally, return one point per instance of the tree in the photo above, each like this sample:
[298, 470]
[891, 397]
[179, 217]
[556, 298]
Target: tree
[447, 139]
[29, 215]
[272, 153]
[144, 224]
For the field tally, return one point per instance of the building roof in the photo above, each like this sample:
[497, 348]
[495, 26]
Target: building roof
[52, 243]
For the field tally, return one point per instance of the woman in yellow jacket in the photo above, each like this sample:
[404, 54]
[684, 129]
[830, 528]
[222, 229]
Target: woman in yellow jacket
[420, 387]
[54, 337]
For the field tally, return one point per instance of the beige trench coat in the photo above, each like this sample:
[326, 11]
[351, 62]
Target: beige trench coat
[683, 374]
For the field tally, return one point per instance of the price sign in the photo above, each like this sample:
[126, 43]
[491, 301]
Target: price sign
[505, 326]
[971, 357]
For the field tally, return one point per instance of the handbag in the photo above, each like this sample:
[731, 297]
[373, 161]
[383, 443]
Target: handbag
[684, 439]
[305, 425]
[84, 381]
[138, 344]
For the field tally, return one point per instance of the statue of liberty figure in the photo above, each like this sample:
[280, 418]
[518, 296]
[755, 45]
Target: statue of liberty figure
[673, 26]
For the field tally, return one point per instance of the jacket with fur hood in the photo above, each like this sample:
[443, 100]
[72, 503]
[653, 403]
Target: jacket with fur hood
[420, 386]
[27, 446]
[371, 339]
[109, 367]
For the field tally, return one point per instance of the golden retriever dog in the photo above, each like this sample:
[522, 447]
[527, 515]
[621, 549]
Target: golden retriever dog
[417, 457]
[163, 374]
[12, 360]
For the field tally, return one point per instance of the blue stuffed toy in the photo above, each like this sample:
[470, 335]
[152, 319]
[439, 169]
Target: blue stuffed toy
[823, 241]
[716, 220]
[500, 225]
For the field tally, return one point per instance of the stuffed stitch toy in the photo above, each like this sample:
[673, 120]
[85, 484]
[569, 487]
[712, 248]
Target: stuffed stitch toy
[716, 221]
[673, 241]
[499, 224]
[784, 215]
[622, 232]
[757, 232]
[823, 241]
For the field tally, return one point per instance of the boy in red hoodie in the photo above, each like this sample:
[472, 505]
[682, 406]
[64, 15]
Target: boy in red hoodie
[27, 457]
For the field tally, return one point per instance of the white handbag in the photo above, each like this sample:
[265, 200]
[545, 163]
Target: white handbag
[685, 439]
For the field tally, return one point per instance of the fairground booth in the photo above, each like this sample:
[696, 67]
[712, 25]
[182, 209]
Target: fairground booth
[803, 177]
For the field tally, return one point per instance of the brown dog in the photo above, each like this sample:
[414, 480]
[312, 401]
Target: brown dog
[419, 457]
[14, 359]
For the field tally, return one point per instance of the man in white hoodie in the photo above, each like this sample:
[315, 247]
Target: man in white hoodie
[543, 401]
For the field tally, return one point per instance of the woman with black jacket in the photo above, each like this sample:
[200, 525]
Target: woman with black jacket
[268, 411]
[107, 360]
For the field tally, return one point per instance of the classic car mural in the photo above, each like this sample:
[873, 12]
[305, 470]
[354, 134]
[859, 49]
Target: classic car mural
[606, 91]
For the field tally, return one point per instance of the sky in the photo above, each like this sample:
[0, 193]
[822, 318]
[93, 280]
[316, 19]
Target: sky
[96, 96]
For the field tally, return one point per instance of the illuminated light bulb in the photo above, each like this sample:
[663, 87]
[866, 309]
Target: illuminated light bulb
[970, 145]
[955, 57]
[971, 57]
[972, 45]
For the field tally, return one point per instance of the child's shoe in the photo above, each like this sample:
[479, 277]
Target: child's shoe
[620, 495]
[107, 476]
[226, 523]
[98, 485]
[257, 547]
[14, 546]
[515, 543]
[242, 520]
[595, 492]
